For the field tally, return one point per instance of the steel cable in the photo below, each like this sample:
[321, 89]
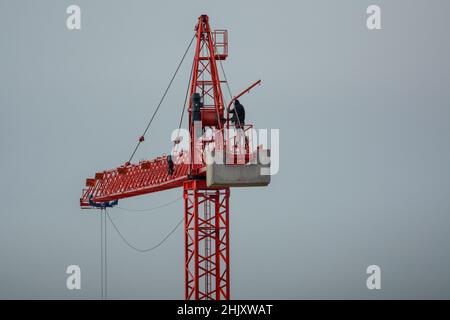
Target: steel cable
[185, 103]
[150, 209]
[162, 99]
[136, 248]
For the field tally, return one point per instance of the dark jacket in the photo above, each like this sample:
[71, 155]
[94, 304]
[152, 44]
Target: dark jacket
[238, 114]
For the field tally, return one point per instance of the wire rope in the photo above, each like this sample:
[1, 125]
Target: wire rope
[139, 249]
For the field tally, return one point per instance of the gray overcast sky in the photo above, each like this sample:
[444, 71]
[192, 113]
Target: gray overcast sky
[364, 121]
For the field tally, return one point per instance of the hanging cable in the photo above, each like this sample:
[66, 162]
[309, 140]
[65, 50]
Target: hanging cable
[101, 252]
[141, 139]
[151, 209]
[106, 261]
[185, 102]
[225, 77]
[223, 71]
[228, 85]
[103, 255]
[226, 81]
[138, 249]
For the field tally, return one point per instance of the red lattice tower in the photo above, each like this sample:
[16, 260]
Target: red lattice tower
[207, 263]
[207, 250]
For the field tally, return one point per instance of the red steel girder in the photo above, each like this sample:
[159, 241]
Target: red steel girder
[132, 180]
[207, 242]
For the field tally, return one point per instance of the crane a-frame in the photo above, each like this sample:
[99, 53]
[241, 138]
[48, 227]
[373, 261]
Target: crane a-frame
[212, 164]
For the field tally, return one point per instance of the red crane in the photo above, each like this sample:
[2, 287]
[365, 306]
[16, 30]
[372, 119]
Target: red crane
[206, 184]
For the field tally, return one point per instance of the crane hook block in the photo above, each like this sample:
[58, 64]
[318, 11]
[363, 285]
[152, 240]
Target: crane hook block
[141, 139]
[101, 205]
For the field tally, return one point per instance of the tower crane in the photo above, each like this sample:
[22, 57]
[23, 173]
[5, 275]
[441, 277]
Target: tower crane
[212, 163]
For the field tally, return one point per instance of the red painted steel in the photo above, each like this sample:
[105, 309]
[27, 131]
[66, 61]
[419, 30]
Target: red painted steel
[206, 229]
[132, 180]
[207, 249]
[205, 78]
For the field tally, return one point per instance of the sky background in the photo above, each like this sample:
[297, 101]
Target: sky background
[364, 120]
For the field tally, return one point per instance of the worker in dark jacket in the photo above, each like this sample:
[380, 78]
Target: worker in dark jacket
[238, 118]
[170, 167]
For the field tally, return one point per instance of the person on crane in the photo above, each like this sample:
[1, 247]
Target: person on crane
[238, 119]
[169, 165]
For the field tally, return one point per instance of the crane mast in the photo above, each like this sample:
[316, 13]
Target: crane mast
[206, 186]
[206, 209]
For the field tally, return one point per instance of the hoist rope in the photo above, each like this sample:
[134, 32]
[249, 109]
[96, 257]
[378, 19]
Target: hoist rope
[162, 99]
[103, 255]
[101, 252]
[228, 85]
[147, 249]
[225, 77]
[150, 209]
[106, 262]
[185, 102]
